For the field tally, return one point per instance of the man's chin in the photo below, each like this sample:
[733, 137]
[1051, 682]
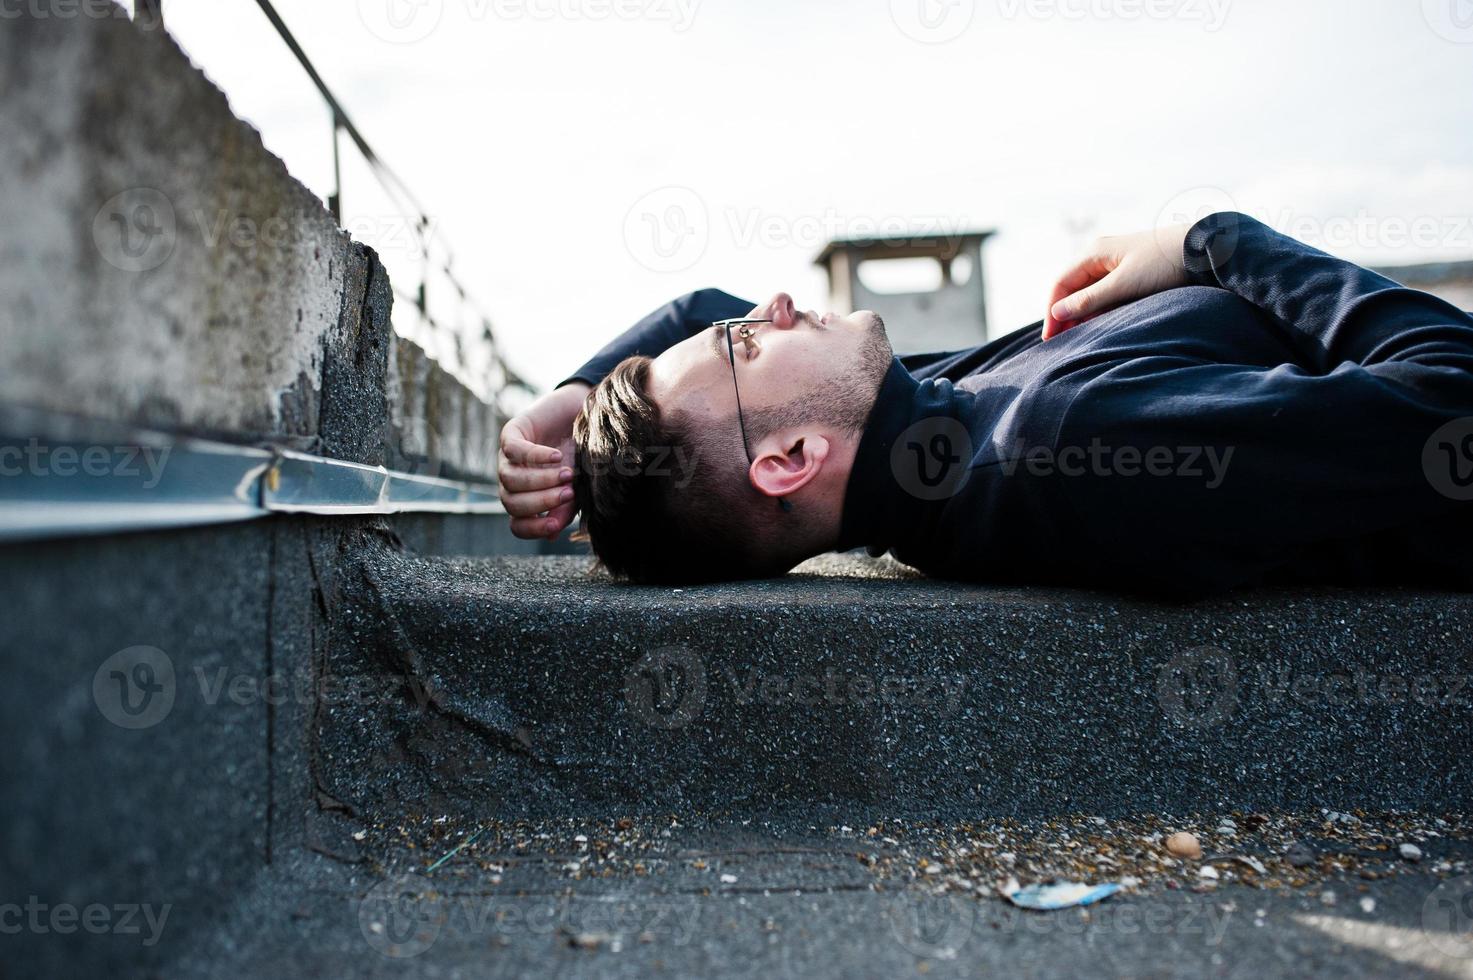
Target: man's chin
[872, 323]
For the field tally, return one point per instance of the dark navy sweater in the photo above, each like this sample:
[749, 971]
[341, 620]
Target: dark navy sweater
[1290, 417]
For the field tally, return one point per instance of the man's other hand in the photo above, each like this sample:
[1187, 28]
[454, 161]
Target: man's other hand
[1116, 271]
[535, 464]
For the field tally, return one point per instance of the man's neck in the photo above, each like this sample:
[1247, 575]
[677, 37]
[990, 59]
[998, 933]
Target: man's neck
[824, 498]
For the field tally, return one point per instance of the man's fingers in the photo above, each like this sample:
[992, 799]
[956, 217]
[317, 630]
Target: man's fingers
[524, 453]
[531, 528]
[1052, 326]
[548, 525]
[1086, 272]
[524, 479]
[1085, 303]
[532, 504]
[559, 518]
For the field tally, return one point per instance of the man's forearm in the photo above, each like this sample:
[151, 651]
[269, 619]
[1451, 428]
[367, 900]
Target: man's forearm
[1334, 311]
[661, 330]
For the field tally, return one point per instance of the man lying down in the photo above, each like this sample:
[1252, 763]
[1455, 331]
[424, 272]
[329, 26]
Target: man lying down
[1204, 407]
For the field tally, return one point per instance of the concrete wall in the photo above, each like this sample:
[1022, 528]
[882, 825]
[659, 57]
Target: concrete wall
[160, 266]
[443, 429]
[208, 787]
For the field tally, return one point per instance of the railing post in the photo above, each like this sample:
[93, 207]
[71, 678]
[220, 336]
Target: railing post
[335, 201]
[149, 14]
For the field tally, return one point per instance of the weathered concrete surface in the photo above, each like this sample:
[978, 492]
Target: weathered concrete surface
[552, 692]
[160, 267]
[334, 699]
[211, 784]
[760, 900]
[186, 809]
[443, 428]
[158, 263]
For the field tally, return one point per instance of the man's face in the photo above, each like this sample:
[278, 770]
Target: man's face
[797, 354]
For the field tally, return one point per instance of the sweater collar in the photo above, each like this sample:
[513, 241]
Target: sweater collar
[877, 511]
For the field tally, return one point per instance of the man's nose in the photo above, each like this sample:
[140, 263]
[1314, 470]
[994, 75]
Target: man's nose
[782, 312]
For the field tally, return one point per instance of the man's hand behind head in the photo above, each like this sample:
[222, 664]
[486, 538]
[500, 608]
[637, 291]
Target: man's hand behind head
[534, 465]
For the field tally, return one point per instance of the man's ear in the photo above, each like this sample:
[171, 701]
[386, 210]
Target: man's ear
[787, 462]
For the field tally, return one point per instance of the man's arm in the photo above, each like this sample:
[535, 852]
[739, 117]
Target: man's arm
[1355, 453]
[663, 329]
[1333, 311]
[534, 465]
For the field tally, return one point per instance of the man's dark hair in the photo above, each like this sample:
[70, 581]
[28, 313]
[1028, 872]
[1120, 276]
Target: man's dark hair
[663, 499]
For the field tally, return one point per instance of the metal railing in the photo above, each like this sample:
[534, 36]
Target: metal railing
[499, 376]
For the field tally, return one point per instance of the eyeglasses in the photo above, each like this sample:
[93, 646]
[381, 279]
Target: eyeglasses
[746, 333]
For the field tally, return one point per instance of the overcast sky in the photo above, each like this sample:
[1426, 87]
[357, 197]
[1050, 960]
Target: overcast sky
[590, 159]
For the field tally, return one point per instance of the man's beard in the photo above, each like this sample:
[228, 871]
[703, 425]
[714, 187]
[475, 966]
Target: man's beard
[844, 400]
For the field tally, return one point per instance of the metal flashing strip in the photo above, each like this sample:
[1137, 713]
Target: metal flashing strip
[303, 484]
[137, 481]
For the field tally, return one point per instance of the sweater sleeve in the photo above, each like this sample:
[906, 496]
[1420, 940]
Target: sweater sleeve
[1333, 311]
[1361, 450]
[661, 330]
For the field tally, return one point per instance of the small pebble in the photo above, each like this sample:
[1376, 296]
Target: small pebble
[588, 940]
[1299, 855]
[1410, 852]
[1208, 872]
[1368, 905]
[1184, 845]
